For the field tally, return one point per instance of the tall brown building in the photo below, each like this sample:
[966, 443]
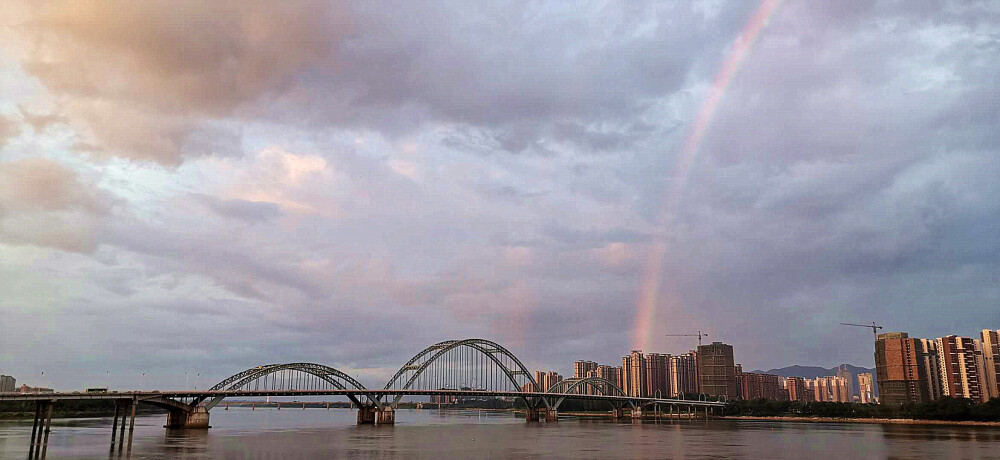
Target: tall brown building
[658, 375]
[797, 389]
[962, 368]
[634, 367]
[755, 386]
[717, 370]
[581, 368]
[991, 359]
[901, 378]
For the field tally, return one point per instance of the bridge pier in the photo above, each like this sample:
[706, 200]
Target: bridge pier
[386, 416]
[617, 413]
[531, 414]
[551, 415]
[372, 415]
[197, 419]
[366, 415]
[637, 413]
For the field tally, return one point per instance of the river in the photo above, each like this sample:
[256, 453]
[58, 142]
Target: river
[320, 433]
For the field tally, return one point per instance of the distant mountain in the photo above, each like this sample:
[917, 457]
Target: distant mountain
[811, 372]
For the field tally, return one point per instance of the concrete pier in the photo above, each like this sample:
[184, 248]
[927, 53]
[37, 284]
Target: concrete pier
[366, 415]
[386, 416]
[198, 419]
[372, 415]
[531, 414]
[551, 415]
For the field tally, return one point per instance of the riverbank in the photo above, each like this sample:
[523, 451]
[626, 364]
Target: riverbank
[880, 421]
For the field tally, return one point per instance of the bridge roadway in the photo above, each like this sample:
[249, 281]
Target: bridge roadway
[143, 396]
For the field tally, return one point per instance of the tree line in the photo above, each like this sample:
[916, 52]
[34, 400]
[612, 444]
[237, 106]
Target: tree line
[947, 408]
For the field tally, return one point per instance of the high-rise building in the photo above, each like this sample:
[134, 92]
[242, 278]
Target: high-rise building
[540, 379]
[717, 370]
[831, 389]
[634, 366]
[991, 359]
[581, 368]
[658, 375]
[962, 367]
[901, 377]
[929, 366]
[753, 385]
[797, 389]
[844, 372]
[552, 378]
[609, 373]
[7, 384]
[866, 388]
[683, 374]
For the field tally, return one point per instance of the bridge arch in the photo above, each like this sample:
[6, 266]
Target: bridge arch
[480, 361]
[606, 387]
[258, 377]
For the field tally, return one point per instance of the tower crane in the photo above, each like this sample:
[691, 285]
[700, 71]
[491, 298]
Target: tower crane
[699, 335]
[874, 327]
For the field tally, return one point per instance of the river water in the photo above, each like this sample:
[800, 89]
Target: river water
[321, 433]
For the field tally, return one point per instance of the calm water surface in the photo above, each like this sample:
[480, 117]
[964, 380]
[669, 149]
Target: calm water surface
[319, 433]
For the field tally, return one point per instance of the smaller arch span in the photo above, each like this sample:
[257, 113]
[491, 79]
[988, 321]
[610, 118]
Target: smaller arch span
[324, 375]
[606, 387]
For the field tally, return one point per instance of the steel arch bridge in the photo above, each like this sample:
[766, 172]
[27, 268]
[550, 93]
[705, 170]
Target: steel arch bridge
[291, 376]
[566, 387]
[467, 363]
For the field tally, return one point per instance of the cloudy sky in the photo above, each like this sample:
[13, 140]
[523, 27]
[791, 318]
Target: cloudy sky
[192, 187]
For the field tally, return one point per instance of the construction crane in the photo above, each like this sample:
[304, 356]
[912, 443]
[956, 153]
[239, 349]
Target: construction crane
[874, 327]
[699, 335]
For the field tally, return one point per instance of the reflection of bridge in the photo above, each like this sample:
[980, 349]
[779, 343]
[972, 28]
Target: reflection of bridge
[474, 363]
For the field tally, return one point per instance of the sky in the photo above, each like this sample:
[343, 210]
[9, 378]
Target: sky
[191, 187]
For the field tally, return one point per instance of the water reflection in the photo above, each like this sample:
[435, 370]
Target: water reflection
[477, 434]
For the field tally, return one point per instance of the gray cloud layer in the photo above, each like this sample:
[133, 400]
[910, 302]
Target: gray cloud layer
[458, 170]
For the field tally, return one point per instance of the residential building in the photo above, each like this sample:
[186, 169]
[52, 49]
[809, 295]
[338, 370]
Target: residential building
[962, 368]
[866, 388]
[900, 376]
[634, 366]
[991, 359]
[929, 366]
[546, 379]
[717, 370]
[658, 375]
[831, 389]
[7, 384]
[683, 374]
[581, 369]
[797, 390]
[754, 385]
[611, 374]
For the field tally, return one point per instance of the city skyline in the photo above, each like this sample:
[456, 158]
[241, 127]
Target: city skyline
[200, 188]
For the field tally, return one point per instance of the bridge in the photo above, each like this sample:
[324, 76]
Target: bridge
[480, 367]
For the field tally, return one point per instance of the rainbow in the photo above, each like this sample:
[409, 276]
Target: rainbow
[649, 289]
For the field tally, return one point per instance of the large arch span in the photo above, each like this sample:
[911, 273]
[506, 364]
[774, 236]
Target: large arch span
[471, 363]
